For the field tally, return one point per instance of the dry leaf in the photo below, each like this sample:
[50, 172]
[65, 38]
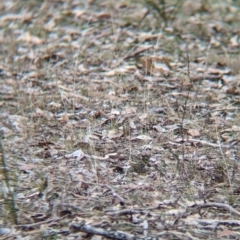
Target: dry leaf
[128, 110]
[93, 137]
[33, 74]
[26, 167]
[78, 155]
[18, 122]
[143, 36]
[115, 112]
[64, 118]
[225, 233]
[24, 16]
[138, 50]
[155, 65]
[194, 132]
[103, 15]
[27, 37]
[115, 133]
[43, 113]
[218, 71]
[142, 137]
[235, 128]
[82, 69]
[190, 7]
[234, 41]
[159, 128]
[55, 105]
[132, 124]
[50, 25]
[121, 71]
[214, 42]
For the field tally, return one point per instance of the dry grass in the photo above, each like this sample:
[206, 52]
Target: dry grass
[119, 117]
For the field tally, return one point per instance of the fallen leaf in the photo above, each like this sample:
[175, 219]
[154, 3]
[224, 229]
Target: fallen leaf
[142, 137]
[78, 155]
[155, 65]
[190, 7]
[27, 37]
[132, 124]
[64, 118]
[55, 105]
[143, 37]
[225, 233]
[128, 110]
[24, 16]
[234, 41]
[138, 50]
[121, 71]
[218, 71]
[194, 132]
[26, 167]
[115, 133]
[43, 113]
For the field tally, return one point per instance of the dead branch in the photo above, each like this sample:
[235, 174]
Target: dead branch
[114, 193]
[38, 223]
[123, 212]
[203, 143]
[211, 223]
[83, 227]
[179, 235]
[110, 188]
[216, 205]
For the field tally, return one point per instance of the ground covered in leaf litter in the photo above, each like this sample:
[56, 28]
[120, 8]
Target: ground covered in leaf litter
[119, 120]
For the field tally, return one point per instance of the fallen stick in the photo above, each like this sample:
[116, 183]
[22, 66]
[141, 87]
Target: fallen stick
[83, 227]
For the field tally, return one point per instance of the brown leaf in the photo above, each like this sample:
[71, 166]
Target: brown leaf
[125, 70]
[155, 65]
[26, 167]
[138, 50]
[234, 41]
[142, 137]
[114, 133]
[27, 37]
[78, 155]
[194, 132]
[103, 15]
[21, 16]
[218, 71]
[191, 7]
[225, 233]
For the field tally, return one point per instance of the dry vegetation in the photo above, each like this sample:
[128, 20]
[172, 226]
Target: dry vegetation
[119, 119]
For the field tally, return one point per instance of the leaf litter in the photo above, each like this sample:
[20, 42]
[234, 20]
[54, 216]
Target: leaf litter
[119, 121]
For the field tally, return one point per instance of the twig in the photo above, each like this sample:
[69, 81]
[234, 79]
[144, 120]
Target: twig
[38, 223]
[120, 235]
[83, 227]
[114, 193]
[213, 222]
[141, 210]
[179, 235]
[110, 188]
[123, 212]
[203, 143]
[217, 205]
[11, 201]
[68, 206]
[123, 235]
[220, 205]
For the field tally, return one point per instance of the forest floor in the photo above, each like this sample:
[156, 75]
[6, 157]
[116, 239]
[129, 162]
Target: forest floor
[119, 119]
